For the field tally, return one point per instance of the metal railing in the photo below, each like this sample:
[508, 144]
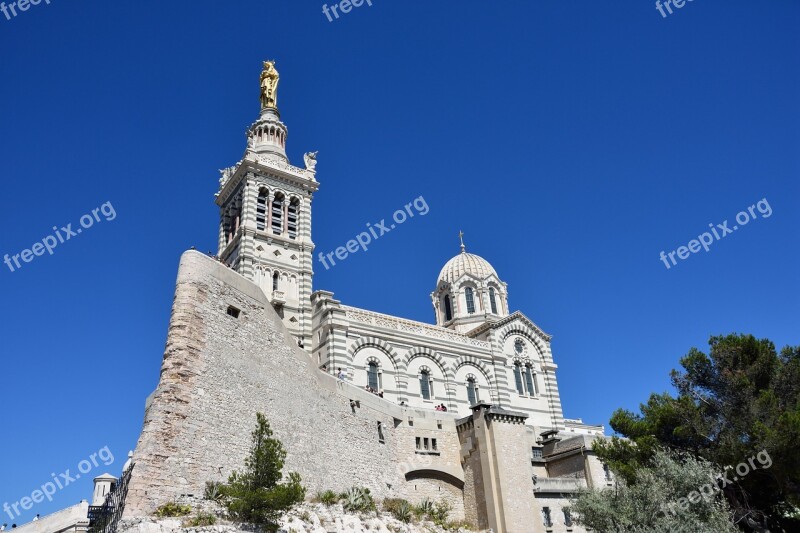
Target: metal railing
[105, 518]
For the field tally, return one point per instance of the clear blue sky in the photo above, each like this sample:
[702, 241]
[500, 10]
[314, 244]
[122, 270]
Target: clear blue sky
[571, 141]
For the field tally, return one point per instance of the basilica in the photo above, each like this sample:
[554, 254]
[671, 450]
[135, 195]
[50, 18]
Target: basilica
[464, 410]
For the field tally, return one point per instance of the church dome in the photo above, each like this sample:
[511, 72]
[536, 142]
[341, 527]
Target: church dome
[465, 263]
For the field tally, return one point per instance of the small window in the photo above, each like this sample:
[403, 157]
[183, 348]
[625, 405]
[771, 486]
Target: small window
[419, 443]
[381, 439]
[425, 444]
[448, 310]
[472, 391]
[536, 453]
[410, 421]
[372, 376]
[567, 518]
[492, 301]
[232, 311]
[546, 518]
[261, 211]
[470, 300]
[530, 381]
[607, 472]
[275, 279]
[433, 445]
[439, 424]
[425, 385]
[518, 378]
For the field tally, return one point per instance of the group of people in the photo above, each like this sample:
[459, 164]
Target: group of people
[441, 407]
[14, 526]
[373, 391]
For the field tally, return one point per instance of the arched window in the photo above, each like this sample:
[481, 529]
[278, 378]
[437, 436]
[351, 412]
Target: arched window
[470, 300]
[492, 301]
[472, 391]
[275, 278]
[277, 214]
[291, 218]
[261, 210]
[448, 310]
[426, 384]
[372, 376]
[530, 382]
[518, 378]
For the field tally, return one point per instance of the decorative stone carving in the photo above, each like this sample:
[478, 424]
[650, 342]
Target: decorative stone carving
[310, 159]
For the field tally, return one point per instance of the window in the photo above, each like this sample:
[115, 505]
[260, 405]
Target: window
[567, 518]
[381, 438]
[433, 445]
[232, 311]
[470, 300]
[607, 472]
[261, 211]
[518, 378]
[291, 219]
[448, 311]
[426, 385]
[419, 443]
[492, 301]
[275, 278]
[530, 382]
[277, 215]
[548, 521]
[472, 391]
[372, 376]
[536, 453]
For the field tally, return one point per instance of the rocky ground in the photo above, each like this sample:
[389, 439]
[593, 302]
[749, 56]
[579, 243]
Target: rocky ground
[305, 518]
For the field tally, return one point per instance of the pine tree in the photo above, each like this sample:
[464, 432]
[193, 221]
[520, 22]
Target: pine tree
[256, 495]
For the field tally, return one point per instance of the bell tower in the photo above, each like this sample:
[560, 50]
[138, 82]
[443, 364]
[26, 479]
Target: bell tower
[265, 215]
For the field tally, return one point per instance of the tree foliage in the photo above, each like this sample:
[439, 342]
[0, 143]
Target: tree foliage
[256, 495]
[663, 497]
[739, 399]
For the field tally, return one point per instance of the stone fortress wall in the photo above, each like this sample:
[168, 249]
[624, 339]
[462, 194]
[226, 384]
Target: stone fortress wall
[219, 370]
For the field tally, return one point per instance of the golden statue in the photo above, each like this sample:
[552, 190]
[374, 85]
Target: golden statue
[269, 86]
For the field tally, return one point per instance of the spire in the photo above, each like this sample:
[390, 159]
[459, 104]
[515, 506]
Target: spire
[268, 134]
[461, 236]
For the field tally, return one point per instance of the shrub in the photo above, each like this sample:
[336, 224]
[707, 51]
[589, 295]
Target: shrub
[201, 520]
[425, 507]
[390, 505]
[214, 491]
[402, 511]
[170, 509]
[256, 495]
[455, 525]
[439, 513]
[357, 499]
[327, 497]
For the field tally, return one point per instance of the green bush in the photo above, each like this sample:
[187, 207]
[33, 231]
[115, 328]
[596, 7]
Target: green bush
[399, 508]
[327, 497]
[390, 505]
[256, 495]
[214, 491]
[439, 513]
[201, 520]
[425, 507]
[357, 500]
[455, 525]
[171, 509]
